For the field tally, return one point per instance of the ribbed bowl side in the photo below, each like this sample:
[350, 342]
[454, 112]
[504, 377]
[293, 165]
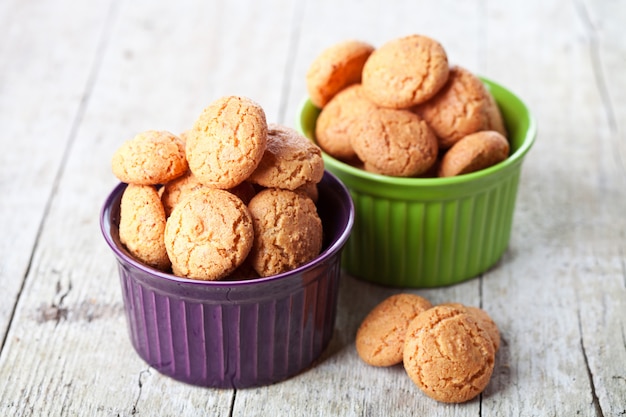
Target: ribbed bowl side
[235, 345]
[407, 243]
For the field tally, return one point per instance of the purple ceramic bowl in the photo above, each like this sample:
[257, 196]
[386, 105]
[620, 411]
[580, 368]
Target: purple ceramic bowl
[235, 334]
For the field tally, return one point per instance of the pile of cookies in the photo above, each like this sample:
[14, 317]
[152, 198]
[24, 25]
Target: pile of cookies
[231, 198]
[402, 110]
[447, 350]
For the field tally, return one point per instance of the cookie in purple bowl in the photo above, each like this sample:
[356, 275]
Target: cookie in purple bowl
[234, 334]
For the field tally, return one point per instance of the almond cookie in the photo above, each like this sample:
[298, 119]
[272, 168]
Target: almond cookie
[474, 152]
[227, 142]
[405, 72]
[483, 319]
[448, 355]
[174, 191]
[287, 231]
[394, 142]
[336, 68]
[208, 235]
[463, 106]
[150, 158]
[380, 338]
[334, 125]
[290, 160]
[142, 224]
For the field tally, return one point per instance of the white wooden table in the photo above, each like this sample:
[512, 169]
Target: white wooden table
[77, 78]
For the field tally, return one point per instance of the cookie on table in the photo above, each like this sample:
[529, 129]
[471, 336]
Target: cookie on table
[208, 234]
[380, 337]
[463, 106]
[227, 141]
[337, 67]
[334, 125]
[405, 72]
[150, 158]
[142, 224]
[483, 319]
[394, 142]
[474, 152]
[448, 355]
[290, 160]
[287, 231]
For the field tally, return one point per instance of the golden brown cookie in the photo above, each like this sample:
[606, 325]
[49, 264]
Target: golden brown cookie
[287, 231]
[150, 158]
[405, 72]
[380, 337]
[474, 152]
[174, 191]
[483, 319]
[334, 125]
[290, 160]
[463, 106]
[227, 141]
[208, 235]
[496, 121]
[142, 224]
[394, 142]
[448, 355]
[336, 68]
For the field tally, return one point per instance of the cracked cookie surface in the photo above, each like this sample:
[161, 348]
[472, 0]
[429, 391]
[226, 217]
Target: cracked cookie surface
[290, 160]
[463, 106]
[227, 141]
[151, 157]
[405, 71]
[208, 234]
[287, 231]
[142, 224]
[174, 191]
[483, 319]
[380, 337]
[448, 355]
[394, 142]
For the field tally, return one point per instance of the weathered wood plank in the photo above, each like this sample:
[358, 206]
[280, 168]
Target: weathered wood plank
[566, 265]
[601, 266]
[45, 64]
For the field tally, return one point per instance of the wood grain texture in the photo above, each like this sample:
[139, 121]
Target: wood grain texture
[76, 80]
[46, 62]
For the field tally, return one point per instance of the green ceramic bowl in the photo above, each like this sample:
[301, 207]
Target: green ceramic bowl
[429, 232]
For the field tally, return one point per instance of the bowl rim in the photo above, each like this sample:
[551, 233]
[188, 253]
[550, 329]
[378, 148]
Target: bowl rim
[322, 258]
[513, 159]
